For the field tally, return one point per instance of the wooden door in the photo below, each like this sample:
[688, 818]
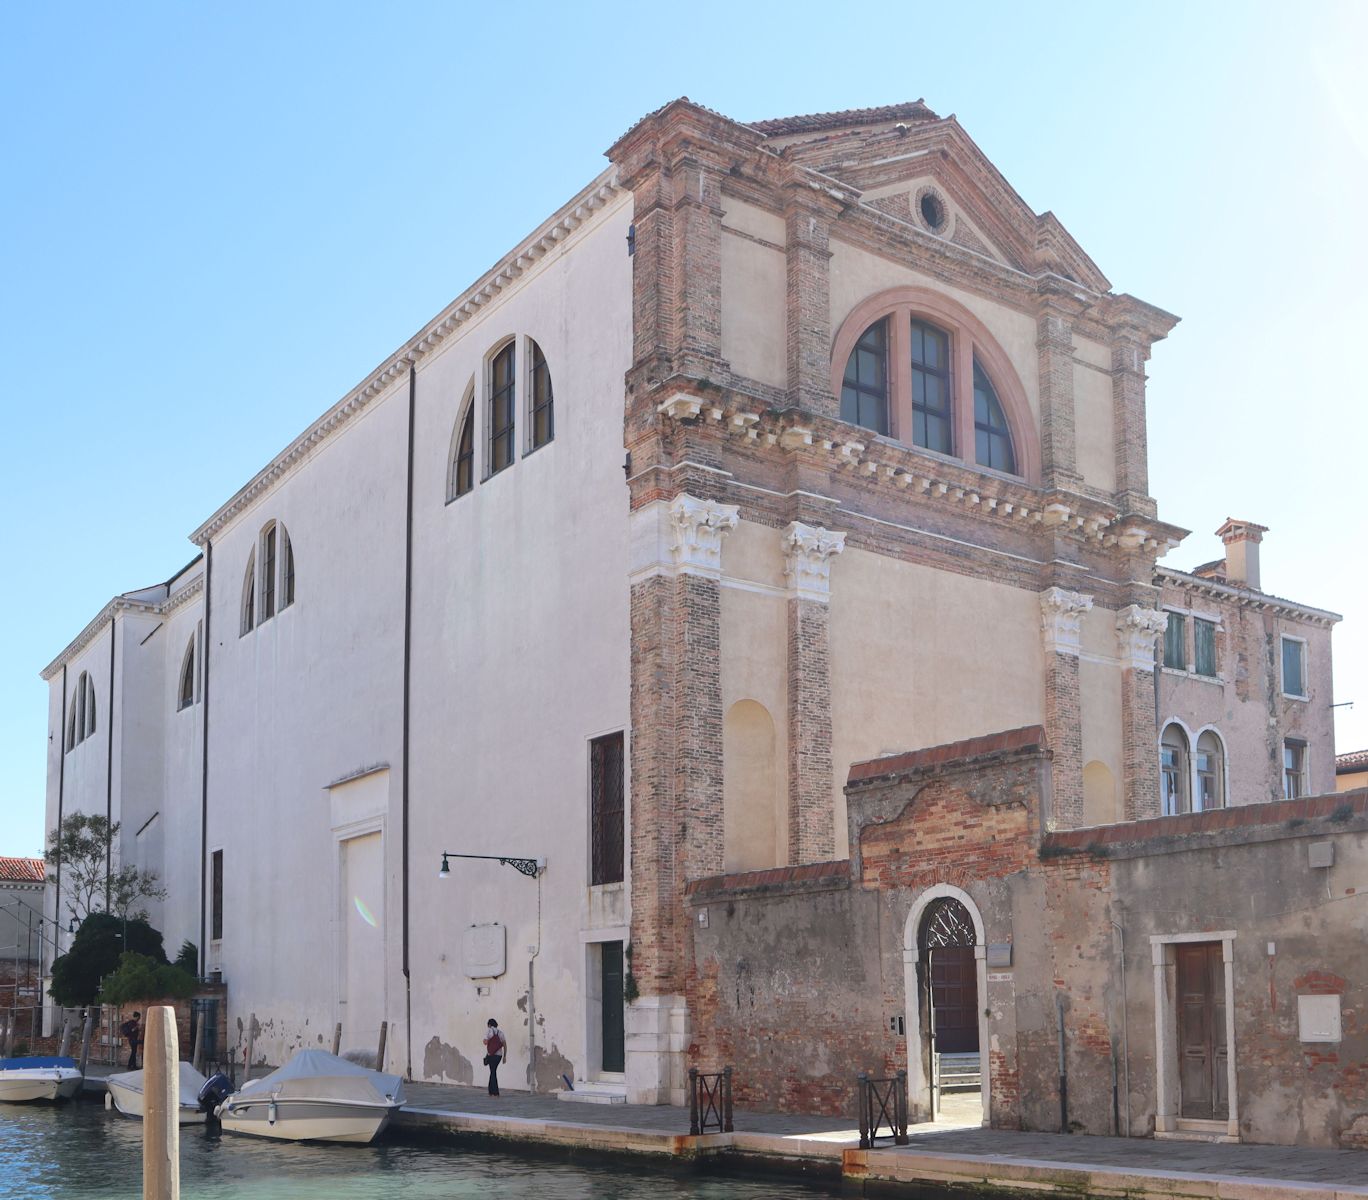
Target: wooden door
[1202, 1049]
[614, 1039]
[954, 999]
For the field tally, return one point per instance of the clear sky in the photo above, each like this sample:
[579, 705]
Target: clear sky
[215, 219]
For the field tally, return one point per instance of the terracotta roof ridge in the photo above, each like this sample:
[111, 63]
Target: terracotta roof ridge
[22, 870]
[812, 122]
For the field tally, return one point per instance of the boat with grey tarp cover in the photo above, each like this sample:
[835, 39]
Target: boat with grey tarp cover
[316, 1096]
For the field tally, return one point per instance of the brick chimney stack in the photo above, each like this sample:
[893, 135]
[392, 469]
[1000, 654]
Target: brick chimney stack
[1242, 540]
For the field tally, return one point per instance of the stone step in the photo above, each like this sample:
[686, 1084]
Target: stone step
[595, 1093]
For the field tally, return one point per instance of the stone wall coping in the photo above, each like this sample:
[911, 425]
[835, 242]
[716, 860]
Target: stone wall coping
[1027, 739]
[1335, 812]
[805, 877]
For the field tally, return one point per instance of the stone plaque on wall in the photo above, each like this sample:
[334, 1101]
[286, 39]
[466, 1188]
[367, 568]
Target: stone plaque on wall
[483, 951]
[999, 955]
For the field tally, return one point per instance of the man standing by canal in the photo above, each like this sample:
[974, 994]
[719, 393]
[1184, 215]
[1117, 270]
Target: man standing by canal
[132, 1030]
[495, 1047]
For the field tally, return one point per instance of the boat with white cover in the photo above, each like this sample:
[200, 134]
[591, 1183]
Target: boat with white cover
[38, 1078]
[315, 1097]
[126, 1094]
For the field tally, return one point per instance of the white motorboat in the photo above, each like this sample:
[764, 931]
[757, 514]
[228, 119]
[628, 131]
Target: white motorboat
[315, 1097]
[126, 1094]
[38, 1078]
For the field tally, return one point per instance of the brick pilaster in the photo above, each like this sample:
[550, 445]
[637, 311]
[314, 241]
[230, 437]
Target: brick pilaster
[1137, 630]
[1058, 441]
[1061, 621]
[808, 551]
[697, 273]
[1129, 353]
[808, 256]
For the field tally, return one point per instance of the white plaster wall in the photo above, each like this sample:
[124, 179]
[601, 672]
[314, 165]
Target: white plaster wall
[920, 657]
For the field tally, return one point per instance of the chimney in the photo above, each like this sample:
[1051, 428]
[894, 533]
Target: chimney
[1242, 540]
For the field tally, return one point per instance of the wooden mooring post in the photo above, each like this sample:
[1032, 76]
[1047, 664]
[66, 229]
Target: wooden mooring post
[86, 1031]
[161, 1105]
[337, 1039]
[380, 1049]
[65, 1044]
[251, 1045]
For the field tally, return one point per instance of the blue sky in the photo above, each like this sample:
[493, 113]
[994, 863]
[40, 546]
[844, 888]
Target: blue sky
[216, 218]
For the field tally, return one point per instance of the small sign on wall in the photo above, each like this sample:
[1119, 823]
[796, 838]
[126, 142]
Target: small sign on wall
[1318, 1018]
[999, 955]
[483, 953]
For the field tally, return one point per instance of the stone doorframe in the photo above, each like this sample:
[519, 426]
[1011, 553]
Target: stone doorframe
[918, 1085]
[1168, 1103]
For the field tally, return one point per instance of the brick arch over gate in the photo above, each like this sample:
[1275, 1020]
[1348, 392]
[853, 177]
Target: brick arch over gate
[918, 1085]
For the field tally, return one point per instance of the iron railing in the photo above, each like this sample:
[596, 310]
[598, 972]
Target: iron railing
[710, 1102]
[882, 1102]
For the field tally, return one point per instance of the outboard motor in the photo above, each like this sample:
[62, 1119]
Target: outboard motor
[216, 1089]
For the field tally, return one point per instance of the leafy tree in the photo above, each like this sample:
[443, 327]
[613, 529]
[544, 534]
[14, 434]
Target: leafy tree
[95, 953]
[81, 845]
[142, 978]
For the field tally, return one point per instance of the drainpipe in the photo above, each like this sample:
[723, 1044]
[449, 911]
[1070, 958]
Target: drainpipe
[408, 659]
[109, 766]
[61, 789]
[1063, 1067]
[204, 763]
[1125, 1040]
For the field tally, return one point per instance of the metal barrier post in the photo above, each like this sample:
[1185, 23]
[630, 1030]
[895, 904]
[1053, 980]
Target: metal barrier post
[693, 1101]
[861, 1094]
[900, 1110]
[727, 1100]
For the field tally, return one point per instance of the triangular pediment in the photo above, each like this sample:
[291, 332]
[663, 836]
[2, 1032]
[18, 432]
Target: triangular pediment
[923, 170]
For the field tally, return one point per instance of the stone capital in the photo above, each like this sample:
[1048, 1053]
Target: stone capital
[697, 528]
[808, 551]
[1137, 630]
[1061, 617]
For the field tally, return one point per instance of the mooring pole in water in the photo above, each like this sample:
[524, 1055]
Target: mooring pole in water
[86, 1031]
[380, 1050]
[161, 1105]
[197, 1055]
[251, 1043]
[337, 1039]
[65, 1044]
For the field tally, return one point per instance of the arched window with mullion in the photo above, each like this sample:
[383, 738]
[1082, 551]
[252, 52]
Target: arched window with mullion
[502, 400]
[461, 467]
[542, 417]
[992, 434]
[931, 418]
[1175, 766]
[864, 392]
[187, 677]
[249, 596]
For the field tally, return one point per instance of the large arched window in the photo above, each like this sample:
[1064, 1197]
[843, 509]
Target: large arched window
[918, 367]
[81, 718]
[1209, 762]
[541, 422]
[186, 692]
[1174, 766]
[461, 470]
[268, 585]
[503, 376]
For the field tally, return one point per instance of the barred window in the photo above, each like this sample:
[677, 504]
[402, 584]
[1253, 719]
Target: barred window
[606, 808]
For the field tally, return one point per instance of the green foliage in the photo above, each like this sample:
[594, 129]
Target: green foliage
[82, 845]
[95, 953]
[187, 957]
[142, 978]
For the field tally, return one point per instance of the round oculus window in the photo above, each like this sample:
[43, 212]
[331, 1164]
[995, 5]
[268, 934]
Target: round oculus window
[932, 210]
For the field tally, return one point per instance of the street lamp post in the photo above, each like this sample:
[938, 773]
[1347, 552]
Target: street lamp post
[531, 867]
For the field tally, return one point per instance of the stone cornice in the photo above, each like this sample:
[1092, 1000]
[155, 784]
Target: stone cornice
[556, 231]
[122, 604]
[1258, 601]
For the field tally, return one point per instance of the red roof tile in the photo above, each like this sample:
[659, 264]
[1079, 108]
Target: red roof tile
[22, 870]
[914, 110]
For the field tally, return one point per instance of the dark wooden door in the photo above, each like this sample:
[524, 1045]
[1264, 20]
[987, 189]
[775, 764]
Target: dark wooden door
[614, 1041]
[954, 999]
[1202, 1050]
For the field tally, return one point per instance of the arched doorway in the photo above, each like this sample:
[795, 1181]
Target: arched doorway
[944, 961]
[946, 942]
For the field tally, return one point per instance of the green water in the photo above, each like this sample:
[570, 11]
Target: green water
[80, 1150]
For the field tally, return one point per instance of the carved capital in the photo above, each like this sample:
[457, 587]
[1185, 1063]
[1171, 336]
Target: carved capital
[1061, 617]
[808, 551]
[1137, 630]
[697, 528]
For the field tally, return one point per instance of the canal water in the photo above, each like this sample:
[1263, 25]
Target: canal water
[81, 1152]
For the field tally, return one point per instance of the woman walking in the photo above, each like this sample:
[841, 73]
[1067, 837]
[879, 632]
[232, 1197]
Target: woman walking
[495, 1048]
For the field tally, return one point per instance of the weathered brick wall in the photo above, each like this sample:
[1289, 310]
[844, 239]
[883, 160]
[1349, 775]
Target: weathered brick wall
[811, 836]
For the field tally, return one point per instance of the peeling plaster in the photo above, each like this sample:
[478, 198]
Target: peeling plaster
[546, 1068]
[445, 1061]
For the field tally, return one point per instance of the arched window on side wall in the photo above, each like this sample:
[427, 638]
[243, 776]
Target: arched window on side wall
[287, 574]
[541, 418]
[1174, 767]
[1210, 764]
[502, 392]
[81, 720]
[461, 471]
[249, 596]
[864, 391]
[186, 695]
[992, 435]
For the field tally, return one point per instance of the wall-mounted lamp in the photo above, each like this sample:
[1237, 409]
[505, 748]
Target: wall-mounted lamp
[531, 867]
